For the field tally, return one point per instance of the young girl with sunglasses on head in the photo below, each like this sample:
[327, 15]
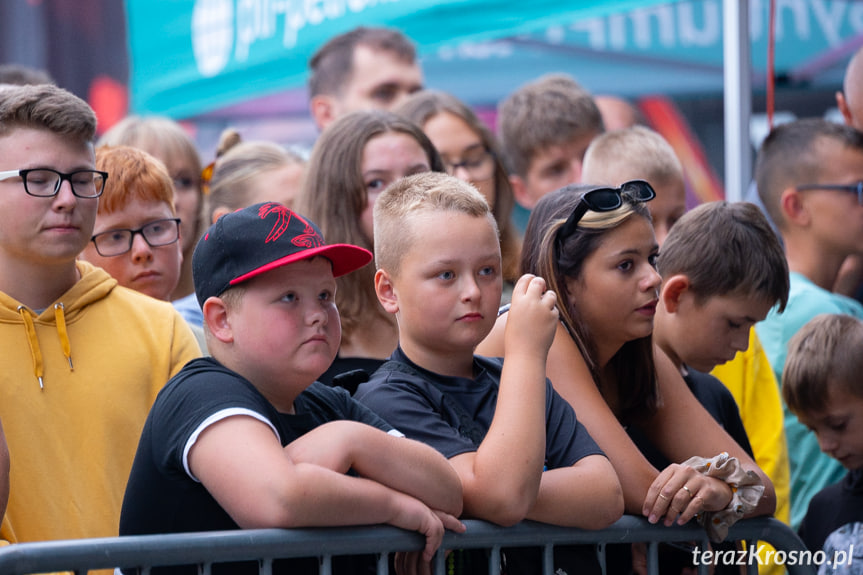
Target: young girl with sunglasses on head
[596, 249]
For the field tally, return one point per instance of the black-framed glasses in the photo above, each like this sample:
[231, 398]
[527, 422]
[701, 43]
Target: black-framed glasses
[603, 200]
[45, 182]
[856, 188]
[477, 161]
[156, 233]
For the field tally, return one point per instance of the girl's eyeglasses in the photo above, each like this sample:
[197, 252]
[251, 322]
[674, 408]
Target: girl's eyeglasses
[604, 200]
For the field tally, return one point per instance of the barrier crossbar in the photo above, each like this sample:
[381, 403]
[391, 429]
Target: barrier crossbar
[266, 545]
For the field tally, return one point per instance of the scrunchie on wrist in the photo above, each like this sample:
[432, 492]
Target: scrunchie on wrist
[746, 491]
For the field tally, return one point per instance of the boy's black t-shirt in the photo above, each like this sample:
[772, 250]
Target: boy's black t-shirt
[834, 519]
[161, 496]
[719, 403]
[419, 404]
[452, 414]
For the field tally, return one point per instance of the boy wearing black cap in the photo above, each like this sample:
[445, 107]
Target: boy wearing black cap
[246, 438]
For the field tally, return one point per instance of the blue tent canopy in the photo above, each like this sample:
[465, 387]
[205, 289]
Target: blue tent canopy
[189, 57]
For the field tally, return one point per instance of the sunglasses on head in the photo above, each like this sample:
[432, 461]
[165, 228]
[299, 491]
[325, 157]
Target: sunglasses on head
[604, 200]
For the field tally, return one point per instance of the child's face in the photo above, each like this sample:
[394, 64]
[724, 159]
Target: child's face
[459, 144]
[449, 285]
[552, 168]
[152, 270]
[839, 427]
[286, 324]
[667, 207]
[43, 231]
[386, 158]
[711, 332]
[616, 295]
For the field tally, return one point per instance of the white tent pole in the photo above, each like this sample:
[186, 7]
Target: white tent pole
[737, 97]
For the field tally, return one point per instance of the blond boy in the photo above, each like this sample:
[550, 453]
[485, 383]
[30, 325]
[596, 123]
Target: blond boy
[438, 261]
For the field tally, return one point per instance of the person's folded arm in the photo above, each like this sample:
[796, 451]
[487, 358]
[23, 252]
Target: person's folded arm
[403, 464]
[241, 463]
[500, 480]
[585, 495]
[571, 379]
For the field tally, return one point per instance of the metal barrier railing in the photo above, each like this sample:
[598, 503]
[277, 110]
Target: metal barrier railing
[266, 545]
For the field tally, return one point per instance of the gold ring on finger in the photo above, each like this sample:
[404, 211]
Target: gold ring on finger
[691, 495]
[664, 496]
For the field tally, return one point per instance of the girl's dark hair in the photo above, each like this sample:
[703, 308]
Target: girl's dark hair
[633, 365]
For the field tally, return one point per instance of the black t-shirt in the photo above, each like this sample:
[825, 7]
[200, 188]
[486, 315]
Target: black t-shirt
[453, 414]
[349, 372]
[717, 400]
[161, 495]
[834, 519]
[721, 405]
[420, 404]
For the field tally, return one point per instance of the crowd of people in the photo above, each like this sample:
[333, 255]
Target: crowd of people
[424, 321]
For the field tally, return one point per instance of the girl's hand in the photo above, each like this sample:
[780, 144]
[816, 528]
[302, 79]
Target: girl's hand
[680, 492]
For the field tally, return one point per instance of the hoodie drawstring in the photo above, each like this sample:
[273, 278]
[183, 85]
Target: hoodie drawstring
[60, 316]
[33, 341]
[35, 352]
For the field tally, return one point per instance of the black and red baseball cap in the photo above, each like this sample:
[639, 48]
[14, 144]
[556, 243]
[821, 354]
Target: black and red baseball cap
[259, 238]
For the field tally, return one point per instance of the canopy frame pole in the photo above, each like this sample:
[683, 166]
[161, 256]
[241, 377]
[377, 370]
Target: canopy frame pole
[737, 97]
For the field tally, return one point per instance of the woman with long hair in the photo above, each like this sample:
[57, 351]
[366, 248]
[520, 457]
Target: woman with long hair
[596, 249]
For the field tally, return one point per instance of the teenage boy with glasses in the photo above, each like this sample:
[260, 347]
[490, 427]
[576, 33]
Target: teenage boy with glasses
[807, 173]
[83, 358]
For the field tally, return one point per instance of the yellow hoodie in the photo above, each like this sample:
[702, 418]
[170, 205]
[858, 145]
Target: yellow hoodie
[76, 384]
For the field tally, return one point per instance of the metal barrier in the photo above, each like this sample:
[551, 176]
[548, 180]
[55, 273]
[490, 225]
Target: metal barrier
[265, 545]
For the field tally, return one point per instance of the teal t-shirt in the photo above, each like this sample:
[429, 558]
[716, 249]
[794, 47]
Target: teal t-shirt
[811, 469]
